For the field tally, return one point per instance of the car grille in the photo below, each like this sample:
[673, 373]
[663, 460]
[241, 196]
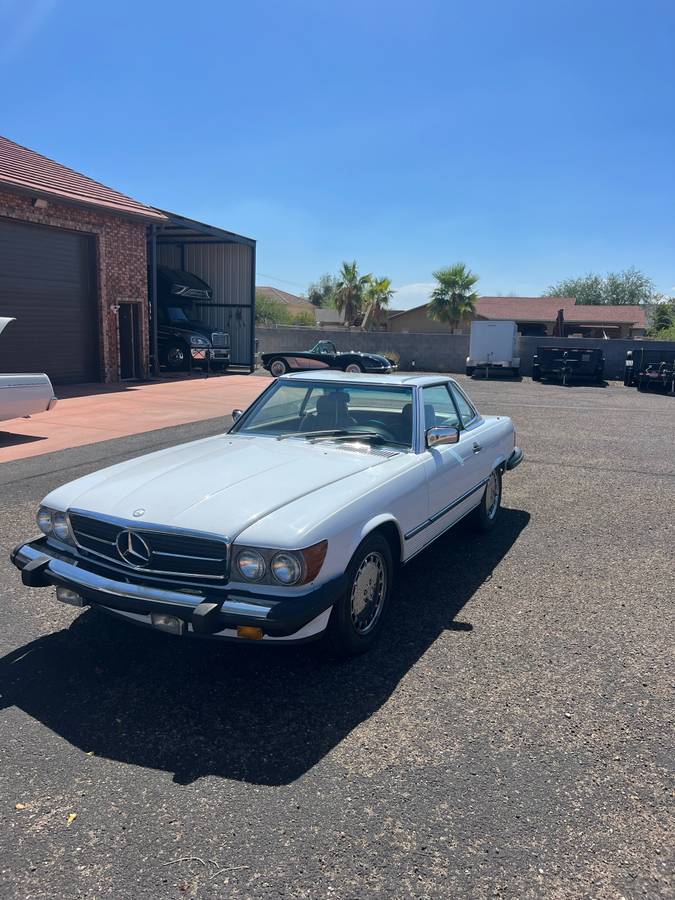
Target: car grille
[220, 339]
[171, 552]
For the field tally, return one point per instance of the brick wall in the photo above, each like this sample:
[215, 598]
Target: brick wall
[121, 266]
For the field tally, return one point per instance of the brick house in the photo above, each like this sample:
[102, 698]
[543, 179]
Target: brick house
[73, 258]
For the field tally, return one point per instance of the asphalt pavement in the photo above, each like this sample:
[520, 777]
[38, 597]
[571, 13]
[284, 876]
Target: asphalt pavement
[510, 736]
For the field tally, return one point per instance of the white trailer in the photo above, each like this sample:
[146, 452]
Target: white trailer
[493, 345]
[24, 395]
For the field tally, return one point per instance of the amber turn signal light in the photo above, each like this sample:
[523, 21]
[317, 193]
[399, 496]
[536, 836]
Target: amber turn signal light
[249, 632]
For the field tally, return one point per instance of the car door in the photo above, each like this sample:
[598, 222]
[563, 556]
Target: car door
[475, 441]
[454, 472]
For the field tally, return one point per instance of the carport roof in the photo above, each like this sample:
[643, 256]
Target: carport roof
[31, 173]
[178, 229]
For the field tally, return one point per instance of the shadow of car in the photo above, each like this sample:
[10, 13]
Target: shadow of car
[263, 715]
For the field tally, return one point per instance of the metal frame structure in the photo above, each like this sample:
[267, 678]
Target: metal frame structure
[180, 231]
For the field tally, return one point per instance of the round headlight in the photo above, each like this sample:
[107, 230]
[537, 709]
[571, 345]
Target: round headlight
[286, 568]
[44, 520]
[251, 565]
[60, 527]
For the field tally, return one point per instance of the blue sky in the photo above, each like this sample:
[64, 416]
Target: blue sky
[533, 140]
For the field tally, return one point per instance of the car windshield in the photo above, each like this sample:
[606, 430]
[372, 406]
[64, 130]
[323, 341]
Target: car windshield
[176, 314]
[376, 414]
[324, 347]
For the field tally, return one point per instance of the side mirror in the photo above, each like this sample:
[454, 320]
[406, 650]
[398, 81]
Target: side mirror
[237, 414]
[442, 434]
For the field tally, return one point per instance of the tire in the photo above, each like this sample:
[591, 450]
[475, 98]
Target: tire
[486, 514]
[536, 373]
[176, 357]
[350, 630]
[278, 367]
[354, 367]
[469, 371]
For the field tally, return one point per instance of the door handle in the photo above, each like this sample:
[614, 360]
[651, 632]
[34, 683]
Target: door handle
[477, 447]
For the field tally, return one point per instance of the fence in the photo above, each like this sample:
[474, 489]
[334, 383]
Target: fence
[438, 352]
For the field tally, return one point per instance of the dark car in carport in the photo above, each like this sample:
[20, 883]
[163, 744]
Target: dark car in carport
[182, 336]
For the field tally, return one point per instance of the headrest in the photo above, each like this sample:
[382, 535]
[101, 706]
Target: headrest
[429, 415]
[330, 402]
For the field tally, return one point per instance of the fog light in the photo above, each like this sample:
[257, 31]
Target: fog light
[172, 624]
[249, 632]
[65, 595]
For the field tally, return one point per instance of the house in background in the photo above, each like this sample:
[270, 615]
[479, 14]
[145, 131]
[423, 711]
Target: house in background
[535, 316]
[292, 302]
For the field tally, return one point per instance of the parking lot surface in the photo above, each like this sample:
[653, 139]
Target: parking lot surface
[510, 736]
[90, 413]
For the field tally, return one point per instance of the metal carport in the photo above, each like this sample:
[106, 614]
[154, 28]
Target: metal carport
[226, 261]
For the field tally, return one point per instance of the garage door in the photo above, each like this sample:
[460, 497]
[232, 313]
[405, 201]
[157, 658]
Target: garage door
[47, 284]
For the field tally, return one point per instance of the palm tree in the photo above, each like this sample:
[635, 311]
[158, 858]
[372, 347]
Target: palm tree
[349, 291]
[453, 298]
[378, 295]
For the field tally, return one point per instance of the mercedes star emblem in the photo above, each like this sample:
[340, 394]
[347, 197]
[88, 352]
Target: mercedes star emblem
[132, 549]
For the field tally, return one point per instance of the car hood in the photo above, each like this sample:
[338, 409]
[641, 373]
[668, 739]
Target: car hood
[220, 485]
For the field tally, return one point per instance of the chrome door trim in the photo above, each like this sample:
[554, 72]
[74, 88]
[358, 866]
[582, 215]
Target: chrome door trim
[442, 512]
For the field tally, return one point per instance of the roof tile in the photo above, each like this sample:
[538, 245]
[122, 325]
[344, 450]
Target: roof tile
[27, 170]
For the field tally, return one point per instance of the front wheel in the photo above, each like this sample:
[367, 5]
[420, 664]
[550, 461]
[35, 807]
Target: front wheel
[278, 367]
[358, 616]
[469, 371]
[354, 367]
[176, 357]
[485, 515]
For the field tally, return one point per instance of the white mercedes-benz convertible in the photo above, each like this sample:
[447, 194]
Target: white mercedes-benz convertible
[290, 525]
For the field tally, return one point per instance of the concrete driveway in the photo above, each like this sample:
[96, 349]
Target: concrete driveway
[511, 736]
[89, 413]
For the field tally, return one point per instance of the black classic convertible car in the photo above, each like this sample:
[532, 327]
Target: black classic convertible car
[325, 355]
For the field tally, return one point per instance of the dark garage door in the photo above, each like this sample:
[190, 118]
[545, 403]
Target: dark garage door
[47, 284]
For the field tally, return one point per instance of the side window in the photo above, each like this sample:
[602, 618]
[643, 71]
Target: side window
[438, 407]
[466, 410]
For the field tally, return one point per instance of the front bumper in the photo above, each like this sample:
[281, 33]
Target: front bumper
[217, 355]
[380, 370]
[210, 611]
[515, 459]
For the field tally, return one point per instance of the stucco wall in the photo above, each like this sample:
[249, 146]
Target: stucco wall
[438, 352]
[120, 262]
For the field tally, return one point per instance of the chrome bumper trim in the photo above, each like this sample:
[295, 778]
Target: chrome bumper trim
[515, 459]
[78, 577]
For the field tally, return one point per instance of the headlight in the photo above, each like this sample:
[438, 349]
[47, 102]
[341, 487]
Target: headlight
[286, 568]
[60, 527]
[54, 524]
[199, 341]
[251, 565]
[265, 565]
[44, 520]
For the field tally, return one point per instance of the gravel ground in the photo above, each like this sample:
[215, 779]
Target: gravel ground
[511, 735]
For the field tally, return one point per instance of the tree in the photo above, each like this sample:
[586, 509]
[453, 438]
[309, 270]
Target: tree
[270, 312]
[350, 290]
[453, 298]
[630, 287]
[303, 318]
[322, 292]
[662, 318]
[378, 293]
[377, 296]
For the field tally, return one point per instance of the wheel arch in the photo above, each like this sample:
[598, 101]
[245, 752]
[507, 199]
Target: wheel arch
[387, 525]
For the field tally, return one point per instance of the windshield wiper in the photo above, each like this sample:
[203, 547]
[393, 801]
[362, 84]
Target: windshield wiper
[365, 435]
[313, 434]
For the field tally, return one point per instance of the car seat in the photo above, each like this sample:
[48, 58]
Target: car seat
[332, 411]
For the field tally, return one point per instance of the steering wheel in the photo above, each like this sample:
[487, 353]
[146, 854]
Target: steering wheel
[381, 428]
